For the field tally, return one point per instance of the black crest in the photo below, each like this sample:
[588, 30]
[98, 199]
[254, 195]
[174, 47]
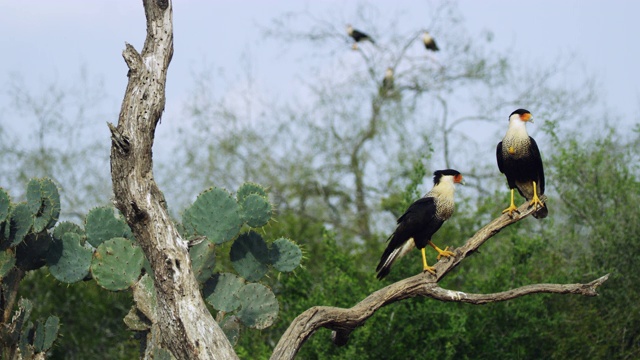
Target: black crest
[440, 173]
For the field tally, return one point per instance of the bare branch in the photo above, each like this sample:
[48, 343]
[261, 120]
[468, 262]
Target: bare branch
[184, 326]
[344, 321]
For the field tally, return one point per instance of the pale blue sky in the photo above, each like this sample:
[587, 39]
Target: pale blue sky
[47, 41]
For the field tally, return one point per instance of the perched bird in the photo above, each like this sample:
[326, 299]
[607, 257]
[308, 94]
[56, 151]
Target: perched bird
[429, 42]
[421, 220]
[519, 160]
[387, 82]
[358, 36]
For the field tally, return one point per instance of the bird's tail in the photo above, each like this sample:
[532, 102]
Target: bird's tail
[541, 213]
[390, 255]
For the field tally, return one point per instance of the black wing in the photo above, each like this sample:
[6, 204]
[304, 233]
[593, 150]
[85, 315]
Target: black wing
[536, 162]
[360, 36]
[499, 157]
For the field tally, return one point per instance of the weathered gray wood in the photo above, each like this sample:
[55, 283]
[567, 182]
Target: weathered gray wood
[185, 326]
[344, 321]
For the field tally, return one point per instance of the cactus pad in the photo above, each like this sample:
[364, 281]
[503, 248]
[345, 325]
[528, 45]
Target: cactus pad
[7, 261]
[285, 255]
[31, 253]
[65, 227]
[258, 306]
[214, 214]
[249, 188]
[256, 210]
[220, 291]
[102, 225]
[46, 333]
[231, 327]
[19, 225]
[43, 201]
[68, 259]
[250, 256]
[144, 296]
[203, 260]
[5, 202]
[117, 264]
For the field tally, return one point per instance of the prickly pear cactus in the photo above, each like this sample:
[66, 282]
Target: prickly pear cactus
[285, 255]
[5, 204]
[203, 260]
[117, 264]
[68, 259]
[221, 291]
[250, 256]
[31, 252]
[256, 210]
[46, 333]
[249, 188]
[43, 201]
[215, 214]
[258, 306]
[101, 225]
[19, 224]
[7, 261]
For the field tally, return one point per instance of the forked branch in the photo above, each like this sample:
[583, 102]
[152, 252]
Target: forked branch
[344, 321]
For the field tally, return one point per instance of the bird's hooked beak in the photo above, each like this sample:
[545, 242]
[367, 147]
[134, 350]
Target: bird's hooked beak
[526, 118]
[458, 179]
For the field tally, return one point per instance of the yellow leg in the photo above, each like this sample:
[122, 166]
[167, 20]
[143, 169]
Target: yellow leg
[441, 253]
[513, 207]
[535, 200]
[426, 267]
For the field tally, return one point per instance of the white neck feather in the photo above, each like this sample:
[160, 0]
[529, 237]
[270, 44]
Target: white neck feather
[517, 127]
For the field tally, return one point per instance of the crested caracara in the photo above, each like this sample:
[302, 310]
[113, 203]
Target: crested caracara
[358, 36]
[421, 220]
[429, 42]
[519, 160]
[387, 82]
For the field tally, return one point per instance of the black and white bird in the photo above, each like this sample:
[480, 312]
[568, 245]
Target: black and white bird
[358, 36]
[429, 42]
[420, 222]
[519, 160]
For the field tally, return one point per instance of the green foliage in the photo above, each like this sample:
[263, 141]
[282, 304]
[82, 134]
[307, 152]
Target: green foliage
[117, 264]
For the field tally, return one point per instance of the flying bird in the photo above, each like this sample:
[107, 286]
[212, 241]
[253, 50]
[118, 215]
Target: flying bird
[519, 160]
[358, 36]
[420, 222]
[429, 42]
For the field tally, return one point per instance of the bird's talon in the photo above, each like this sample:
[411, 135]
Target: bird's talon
[445, 253]
[430, 269]
[511, 209]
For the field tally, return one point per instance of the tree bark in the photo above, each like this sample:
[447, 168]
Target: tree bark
[344, 321]
[187, 328]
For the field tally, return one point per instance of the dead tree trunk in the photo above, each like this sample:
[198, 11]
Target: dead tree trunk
[186, 328]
